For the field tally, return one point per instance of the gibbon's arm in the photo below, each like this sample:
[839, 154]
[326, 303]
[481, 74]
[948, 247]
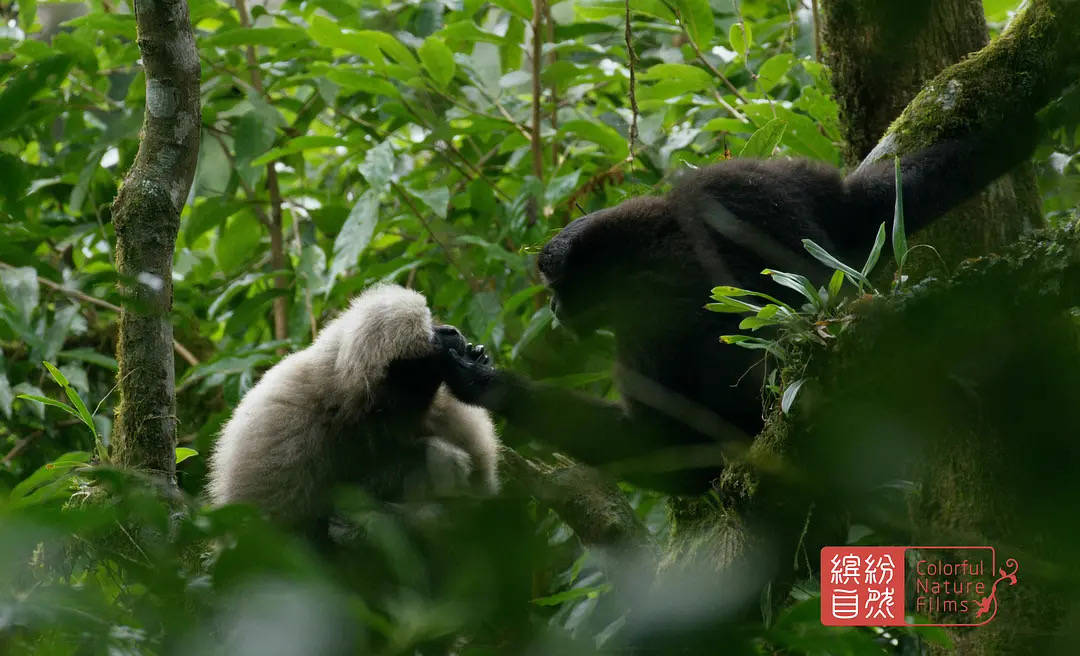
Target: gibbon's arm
[935, 180]
[595, 431]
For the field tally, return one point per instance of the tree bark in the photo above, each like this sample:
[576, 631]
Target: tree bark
[146, 216]
[881, 54]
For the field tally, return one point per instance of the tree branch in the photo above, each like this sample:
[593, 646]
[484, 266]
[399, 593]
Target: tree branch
[277, 240]
[591, 504]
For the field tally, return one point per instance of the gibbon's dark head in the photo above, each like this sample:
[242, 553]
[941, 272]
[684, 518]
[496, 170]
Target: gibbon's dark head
[448, 338]
[613, 266]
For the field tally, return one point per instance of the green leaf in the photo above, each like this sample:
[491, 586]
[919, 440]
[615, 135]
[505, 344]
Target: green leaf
[585, 592]
[697, 18]
[238, 242]
[252, 136]
[108, 25]
[558, 189]
[521, 8]
[81, 408]
[437, 199]
[208, 215]
[673, 80]
[327, 33]
[378, 165]
[611, 142]
[740, 36]
[56, 470]
[834, 284]
[7, 396]
[803, 134]
[727, 291]
[754, 323]
[725, 124]
[356, 234]
[57, 375]
[255, 36]
[774, 68]
[798, 283]
[183, 453]
[467, 31]
[438, 60]
[790, 393]
[899, 235]
[21, 87]
[365, 82]
[755, 343]
[875, 252]
[21, 287]
[732, 306]
[823, 256]
[765, 140]
[297, 145]
[27, 14]
[390, 45]
[47, 401]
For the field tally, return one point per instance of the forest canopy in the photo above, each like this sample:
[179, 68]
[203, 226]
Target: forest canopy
[439, 144]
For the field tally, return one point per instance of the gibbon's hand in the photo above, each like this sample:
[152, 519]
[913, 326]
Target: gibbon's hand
[468, 374]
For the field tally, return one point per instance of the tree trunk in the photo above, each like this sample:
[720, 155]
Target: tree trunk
[146, 216]
[881, 54]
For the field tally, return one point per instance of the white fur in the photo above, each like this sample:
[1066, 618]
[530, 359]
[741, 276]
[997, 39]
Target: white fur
[280, 450]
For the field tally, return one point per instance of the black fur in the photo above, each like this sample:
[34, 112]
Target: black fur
[644, 269]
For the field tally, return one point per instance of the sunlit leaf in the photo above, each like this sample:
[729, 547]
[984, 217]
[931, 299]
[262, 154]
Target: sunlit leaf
[697, 18]
[765, 140]
[438, 60]
[183, 453]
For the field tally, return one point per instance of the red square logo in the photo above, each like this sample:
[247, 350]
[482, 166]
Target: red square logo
[862, 586]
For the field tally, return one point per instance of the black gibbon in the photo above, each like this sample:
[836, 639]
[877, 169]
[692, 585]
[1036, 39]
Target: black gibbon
[643, 270]
[364, 404]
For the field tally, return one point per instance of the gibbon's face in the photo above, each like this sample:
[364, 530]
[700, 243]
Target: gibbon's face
[603, 267]
[446, 338]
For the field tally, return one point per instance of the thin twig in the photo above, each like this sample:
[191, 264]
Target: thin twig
[473, 282]
[817, 31]
[506, 115]
[701, 57]
[554, 91]
[277, 238]
[21, 445]
[537, 90]
[631, 57]
[180, 349]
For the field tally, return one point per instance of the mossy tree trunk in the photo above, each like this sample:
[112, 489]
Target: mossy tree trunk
[146, 216]
[881, 54]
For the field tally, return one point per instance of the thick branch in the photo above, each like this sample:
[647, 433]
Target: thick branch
[589, 503]
[1021, 71]
[146, 215]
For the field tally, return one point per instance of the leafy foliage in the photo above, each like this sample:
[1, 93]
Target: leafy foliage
[366, 141]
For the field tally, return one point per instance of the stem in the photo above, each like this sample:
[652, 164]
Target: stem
[277, 240]
[631, 58]
[537, 90]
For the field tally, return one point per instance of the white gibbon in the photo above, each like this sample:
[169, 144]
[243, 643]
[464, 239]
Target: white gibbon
[364, 404]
